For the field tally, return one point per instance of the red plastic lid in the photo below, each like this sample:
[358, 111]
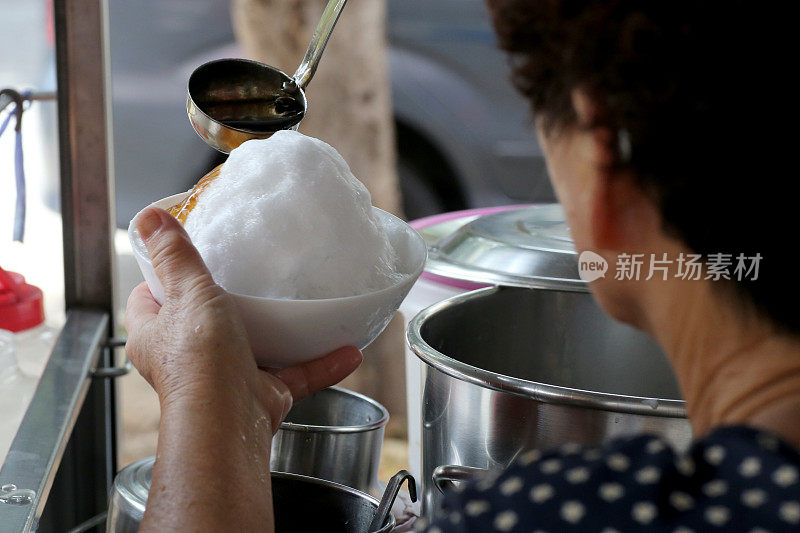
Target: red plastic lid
[21, 304]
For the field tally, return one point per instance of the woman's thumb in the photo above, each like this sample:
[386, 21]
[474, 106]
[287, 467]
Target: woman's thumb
[177, 262]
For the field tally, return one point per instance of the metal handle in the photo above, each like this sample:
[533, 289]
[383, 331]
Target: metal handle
[8, 97]
[113, 371]
[390, 495]
[318, 42]
[444, 476]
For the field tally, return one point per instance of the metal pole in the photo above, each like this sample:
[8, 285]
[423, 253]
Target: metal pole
[81, 487]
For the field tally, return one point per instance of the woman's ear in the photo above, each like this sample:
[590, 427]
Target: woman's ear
[621, 215]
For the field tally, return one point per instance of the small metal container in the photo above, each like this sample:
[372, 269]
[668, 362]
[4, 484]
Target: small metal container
[129, 497]
[334, 434]
[301, 503]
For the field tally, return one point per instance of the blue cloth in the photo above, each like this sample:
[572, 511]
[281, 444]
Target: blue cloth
[735, 479]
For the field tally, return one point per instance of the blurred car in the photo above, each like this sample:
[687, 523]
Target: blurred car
[464, 136]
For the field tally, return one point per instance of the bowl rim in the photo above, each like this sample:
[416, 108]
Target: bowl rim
[133, 237]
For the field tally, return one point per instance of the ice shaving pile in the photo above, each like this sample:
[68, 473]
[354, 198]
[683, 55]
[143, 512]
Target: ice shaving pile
[286, 218]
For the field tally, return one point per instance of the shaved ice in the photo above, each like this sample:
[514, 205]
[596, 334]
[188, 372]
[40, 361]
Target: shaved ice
[286, 218]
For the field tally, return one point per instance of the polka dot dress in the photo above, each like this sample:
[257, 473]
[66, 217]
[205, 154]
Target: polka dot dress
[736, 479]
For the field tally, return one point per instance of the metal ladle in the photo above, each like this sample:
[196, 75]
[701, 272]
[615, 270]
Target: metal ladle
[231, 101]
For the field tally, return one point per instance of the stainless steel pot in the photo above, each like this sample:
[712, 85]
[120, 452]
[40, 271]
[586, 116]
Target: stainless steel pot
[507, 370]
[301, 503]
[335, 434]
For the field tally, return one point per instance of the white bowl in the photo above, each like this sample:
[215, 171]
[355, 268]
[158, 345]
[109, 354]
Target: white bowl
[288, 332]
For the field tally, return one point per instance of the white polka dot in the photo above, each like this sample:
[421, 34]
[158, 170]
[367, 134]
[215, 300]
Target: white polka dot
[618, 462]
[476, 507]
[529, 457]
[550, 466]
[577, 475]
[681, 501]
[750, 467]
[541, 493]
[648, 475]
[685, 466]
[790, 512]
[754, 497]
[644, 512]
[571, 448]
[455, 517]
[768, 442]
[421, 524]
[572, 511]
[486, 480]
[435, 529]
[785, 475]
[655, 446]
[505, 521]
[592, 454]
[717, 515]
[683, 529]
[715, 488]
[759, 530]
[511, 486]
[611, 491]
[714, 454]
[609, 530]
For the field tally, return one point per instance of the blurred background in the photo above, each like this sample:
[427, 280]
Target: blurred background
[413, 93]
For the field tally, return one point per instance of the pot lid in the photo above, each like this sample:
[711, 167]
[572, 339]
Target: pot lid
[529, 247]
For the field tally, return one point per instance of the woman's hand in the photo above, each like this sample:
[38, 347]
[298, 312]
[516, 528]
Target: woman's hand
[218, 409]
[196, 342]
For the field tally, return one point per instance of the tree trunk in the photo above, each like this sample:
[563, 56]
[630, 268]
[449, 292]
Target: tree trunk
[350, 109]
[349, 96]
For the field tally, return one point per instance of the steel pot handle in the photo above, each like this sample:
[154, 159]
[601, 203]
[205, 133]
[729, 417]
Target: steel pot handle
[390, 495]
[444, 476]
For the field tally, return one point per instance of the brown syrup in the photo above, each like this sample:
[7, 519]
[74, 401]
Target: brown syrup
[182, 209]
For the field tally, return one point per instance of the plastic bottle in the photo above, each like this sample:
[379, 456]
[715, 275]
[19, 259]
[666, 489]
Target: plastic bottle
[17, 390]
[22, 313]
[26, 339]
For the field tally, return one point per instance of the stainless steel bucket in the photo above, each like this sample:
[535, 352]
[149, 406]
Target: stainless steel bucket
[335, 434]
[301, 503]
[507, 370]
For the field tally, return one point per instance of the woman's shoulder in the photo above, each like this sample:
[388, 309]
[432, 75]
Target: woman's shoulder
[736, 477]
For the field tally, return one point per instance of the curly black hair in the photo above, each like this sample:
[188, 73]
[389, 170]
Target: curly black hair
[692, 90]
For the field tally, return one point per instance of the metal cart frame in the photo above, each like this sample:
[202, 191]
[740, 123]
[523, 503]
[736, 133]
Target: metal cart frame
[61, 464]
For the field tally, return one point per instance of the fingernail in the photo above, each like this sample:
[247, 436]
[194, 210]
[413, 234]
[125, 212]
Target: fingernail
[148, 223]
[354, 356]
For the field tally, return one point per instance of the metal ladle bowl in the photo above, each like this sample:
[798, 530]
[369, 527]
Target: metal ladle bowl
[231, 101]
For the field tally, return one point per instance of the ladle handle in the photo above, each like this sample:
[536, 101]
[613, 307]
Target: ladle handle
[318, 42]
[389, 496]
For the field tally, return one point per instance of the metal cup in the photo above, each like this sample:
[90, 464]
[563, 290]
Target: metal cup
[335, 434]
